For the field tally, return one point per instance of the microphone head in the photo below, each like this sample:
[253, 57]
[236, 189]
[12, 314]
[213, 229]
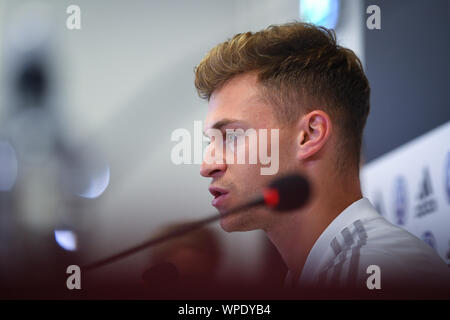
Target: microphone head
[288, 192]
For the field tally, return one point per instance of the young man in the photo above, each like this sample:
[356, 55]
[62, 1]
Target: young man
[296, 79]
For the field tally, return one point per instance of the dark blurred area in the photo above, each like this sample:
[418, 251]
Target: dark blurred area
[409, 72]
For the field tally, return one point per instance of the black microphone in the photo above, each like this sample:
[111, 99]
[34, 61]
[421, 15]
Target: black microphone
[283, 194]
[287, 193]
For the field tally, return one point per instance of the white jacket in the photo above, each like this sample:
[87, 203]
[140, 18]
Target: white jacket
[360, 237]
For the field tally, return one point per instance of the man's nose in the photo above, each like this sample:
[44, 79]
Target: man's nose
[212, 167]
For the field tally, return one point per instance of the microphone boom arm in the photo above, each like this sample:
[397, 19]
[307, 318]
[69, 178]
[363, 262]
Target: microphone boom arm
[175, 233]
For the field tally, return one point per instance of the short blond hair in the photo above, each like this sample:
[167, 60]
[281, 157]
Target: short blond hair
[301, 68]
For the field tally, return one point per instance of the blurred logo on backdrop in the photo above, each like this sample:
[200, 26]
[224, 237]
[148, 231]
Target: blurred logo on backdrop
[401, 202]
[426, 202]
[413, 184]
[447, 176]
[429, 238]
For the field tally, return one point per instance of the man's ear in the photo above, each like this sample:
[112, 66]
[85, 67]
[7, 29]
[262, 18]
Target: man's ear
[314, 130]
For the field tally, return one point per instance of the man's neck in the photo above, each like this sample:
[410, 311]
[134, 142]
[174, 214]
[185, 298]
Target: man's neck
[295, 234]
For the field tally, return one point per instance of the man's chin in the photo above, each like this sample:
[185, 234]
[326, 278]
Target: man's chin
[231, 224]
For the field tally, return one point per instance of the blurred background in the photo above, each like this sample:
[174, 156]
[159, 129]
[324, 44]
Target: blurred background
[86, 117]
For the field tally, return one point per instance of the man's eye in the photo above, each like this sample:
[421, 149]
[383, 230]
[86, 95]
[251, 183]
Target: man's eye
[231, 137]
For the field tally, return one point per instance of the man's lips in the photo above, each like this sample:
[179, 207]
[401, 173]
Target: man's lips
[220, 195]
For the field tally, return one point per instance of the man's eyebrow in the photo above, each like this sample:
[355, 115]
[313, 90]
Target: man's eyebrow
[224, 122]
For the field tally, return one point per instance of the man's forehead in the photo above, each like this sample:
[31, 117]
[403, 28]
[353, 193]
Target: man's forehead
[240, 108]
